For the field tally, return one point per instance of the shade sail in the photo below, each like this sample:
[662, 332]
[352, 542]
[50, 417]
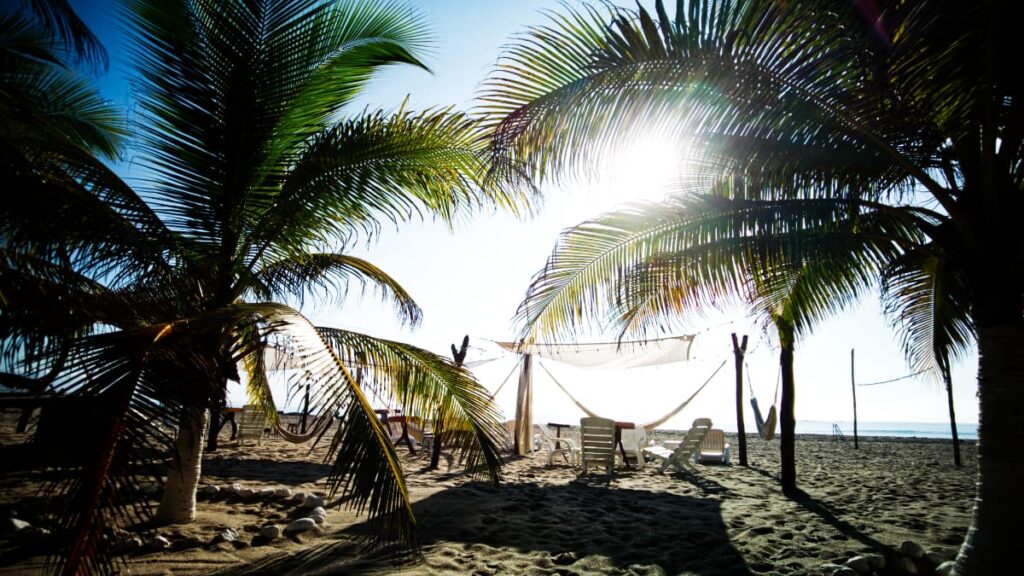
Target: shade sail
[631, 354]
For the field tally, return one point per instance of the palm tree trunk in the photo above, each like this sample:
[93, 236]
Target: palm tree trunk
[178, 505]
[787, 441]
[992, 540]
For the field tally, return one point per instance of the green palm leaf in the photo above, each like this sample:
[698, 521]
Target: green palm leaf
[330, 274]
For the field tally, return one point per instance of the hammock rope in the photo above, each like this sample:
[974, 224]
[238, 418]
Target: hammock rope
[505, 381]
[650, 425]
[586, 410]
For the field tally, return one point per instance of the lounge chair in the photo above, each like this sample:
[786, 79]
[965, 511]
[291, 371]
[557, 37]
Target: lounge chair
[252, 424]
[682, 456]
[634, 440]
[597, 437]
[714, 448]
[566, 447]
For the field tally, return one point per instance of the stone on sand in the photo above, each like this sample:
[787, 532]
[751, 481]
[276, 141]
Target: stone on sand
[158, 543]
[211, 490]
[245, 492]
[265, 492]
[876, 561]
[271, 531]
[226, 535]
[860, 564]
[313, 501]
[15, 525]
[911, 549]
[283, 492]
[300, 525]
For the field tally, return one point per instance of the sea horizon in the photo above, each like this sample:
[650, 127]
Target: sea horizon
[936, 430]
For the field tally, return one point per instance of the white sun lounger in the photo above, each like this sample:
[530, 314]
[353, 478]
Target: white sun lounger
[714, 448]
[682, 456]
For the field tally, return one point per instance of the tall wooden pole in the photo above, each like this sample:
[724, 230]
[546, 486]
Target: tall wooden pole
[524, 408]
[853, 386]
[948, 377]
[739, 351]
[305, 410]
[459, 355]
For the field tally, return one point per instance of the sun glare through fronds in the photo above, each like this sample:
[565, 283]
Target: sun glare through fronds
[644, 170]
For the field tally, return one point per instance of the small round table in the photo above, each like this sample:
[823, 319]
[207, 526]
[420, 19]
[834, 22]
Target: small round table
[558, 432]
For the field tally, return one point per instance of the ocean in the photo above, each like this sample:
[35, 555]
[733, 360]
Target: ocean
[895, 429]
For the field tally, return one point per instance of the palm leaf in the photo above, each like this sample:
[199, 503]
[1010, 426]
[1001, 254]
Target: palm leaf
[327, 274]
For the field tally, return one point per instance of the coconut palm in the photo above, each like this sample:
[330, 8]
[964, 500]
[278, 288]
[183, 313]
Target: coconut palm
[255, 184]
[55, 127]
[648, 267]
[912, 106]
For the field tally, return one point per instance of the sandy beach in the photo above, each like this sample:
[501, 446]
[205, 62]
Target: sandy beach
[721, 520]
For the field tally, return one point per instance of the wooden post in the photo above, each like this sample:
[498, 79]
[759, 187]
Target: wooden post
[739, 351]
[853, 386]
[305, 410]
[524, 408]
[948, 377]
[435, 451]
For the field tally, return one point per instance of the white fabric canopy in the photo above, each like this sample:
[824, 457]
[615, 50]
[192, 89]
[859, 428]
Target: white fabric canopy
[632, 354]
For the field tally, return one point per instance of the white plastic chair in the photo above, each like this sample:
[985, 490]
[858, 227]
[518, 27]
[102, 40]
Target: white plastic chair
[597, 436]
[251, 424]
[566, 447]
[633, 443]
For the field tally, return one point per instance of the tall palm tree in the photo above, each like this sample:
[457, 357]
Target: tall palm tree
[255, 184]
[912, 106]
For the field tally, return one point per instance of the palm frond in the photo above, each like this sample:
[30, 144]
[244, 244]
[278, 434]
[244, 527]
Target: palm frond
[60, 18]
[101, 434]
[642, 267]
[331, 274]
[366, 473]
[230, 92]
[770, 76]
[380, 168]
[429, 387]
[927, 301]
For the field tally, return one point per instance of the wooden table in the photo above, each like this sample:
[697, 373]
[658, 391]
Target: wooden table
[228, 417]
[558, 432]
[619, 427]
[405, 432]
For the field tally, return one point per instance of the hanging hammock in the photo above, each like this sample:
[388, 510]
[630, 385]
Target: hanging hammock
[324, 422]
[765, 426]
[649, 425]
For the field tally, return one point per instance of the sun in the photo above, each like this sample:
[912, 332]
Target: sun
[644, 170]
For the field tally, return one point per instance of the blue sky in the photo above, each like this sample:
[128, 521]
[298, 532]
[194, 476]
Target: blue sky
[469, 280]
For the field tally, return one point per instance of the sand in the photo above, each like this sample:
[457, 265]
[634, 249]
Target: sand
[547, 520]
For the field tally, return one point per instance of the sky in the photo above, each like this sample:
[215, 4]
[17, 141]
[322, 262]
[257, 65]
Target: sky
[470, 279]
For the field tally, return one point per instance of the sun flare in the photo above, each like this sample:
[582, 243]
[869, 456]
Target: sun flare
[644, 170]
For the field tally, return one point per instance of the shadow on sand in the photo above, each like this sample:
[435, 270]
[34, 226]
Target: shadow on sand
[567, 522]
[264, 470]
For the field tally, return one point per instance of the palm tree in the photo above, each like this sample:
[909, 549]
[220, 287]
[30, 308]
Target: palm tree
[255, 185]
[55, 128]
[647, 267]
[913, 107]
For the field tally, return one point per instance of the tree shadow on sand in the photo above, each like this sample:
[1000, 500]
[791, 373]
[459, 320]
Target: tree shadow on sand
[264, 470]
[564, 524]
